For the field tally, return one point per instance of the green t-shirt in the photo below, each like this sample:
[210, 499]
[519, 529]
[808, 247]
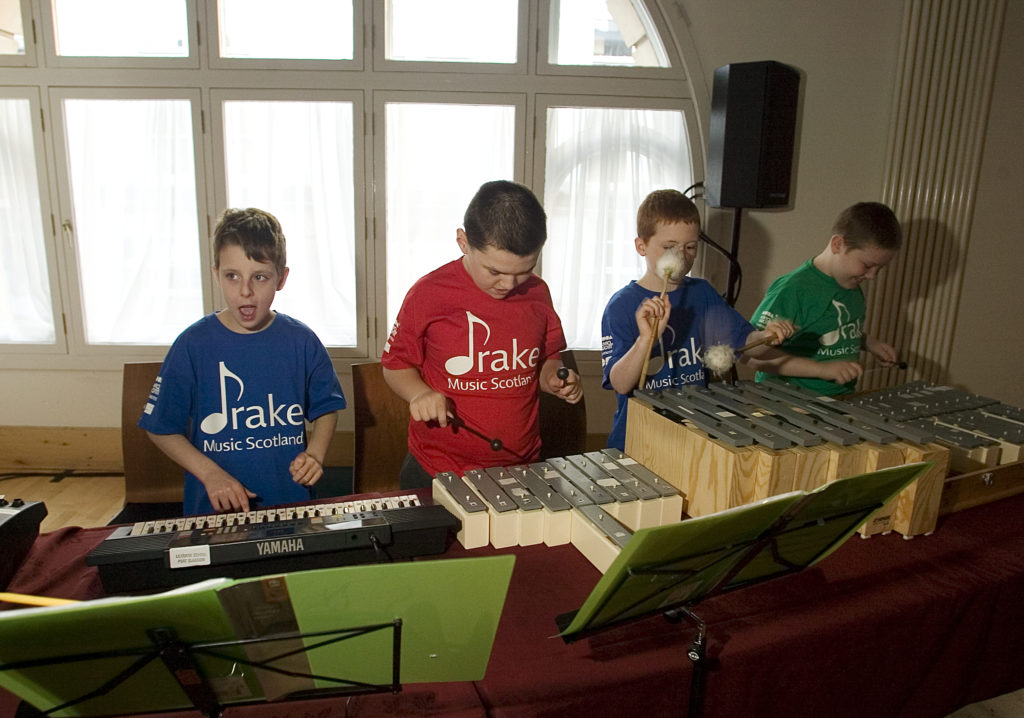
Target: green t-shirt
[829, 321]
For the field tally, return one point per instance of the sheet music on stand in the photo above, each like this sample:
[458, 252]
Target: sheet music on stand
[670, 569]
[342, 630]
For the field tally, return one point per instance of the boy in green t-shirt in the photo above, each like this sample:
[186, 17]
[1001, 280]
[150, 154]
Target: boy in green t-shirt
[823, 298]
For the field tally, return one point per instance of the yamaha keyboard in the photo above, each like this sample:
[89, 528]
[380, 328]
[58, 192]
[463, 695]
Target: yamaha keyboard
[176, 552]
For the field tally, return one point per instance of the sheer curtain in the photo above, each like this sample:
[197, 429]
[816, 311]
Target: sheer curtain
[601, 163]
[294, 160]
[134, 195]
[437, 157]
[24, 284]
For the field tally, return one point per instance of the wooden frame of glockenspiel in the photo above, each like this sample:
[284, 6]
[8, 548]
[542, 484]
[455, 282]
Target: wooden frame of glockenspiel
[715, 475]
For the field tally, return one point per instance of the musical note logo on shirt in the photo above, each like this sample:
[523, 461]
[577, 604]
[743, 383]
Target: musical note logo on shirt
[842, 325]
[216, 421]
[460, 364]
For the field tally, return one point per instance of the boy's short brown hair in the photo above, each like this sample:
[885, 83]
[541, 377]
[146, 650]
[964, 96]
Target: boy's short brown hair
[664, 206]
[256, 231]
[507, 216]
[868, 223]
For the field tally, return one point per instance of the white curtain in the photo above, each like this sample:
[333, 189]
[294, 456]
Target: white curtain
[135, 220]
[24, 285]
[294, 160]
[600, 164]
[437, 157]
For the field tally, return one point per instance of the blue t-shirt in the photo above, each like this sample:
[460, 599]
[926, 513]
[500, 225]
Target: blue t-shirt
[700, 318]
[243, 400]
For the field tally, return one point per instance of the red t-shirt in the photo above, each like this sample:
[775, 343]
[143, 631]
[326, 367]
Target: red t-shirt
[485, 354]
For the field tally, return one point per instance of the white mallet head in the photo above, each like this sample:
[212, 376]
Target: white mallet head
[670, 266]
[719, 358]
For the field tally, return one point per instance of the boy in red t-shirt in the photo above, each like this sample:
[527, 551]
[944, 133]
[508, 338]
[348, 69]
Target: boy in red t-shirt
[474, 341]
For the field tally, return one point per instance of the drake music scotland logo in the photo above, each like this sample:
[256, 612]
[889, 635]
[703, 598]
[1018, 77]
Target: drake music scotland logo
[254, 417]
[513, 360]
[845, 329]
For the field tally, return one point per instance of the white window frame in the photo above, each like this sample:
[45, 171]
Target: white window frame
[49, 224]
[191, 61]
[546, 67]
[685, 105]
[531, 85]
[546, 101]
[360, 26]
[379, 327]
[382, 64]
[28, 26]
[77, 343]
[359, 223]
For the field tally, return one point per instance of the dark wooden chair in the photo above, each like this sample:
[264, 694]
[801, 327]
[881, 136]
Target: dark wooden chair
[563, 426]
[153, 484]
[381, 430]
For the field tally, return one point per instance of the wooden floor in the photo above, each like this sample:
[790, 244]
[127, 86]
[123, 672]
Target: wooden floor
[75, 500]
[90, 501]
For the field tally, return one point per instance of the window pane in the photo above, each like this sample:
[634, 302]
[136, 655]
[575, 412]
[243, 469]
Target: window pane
[121, 28]
[298, 29]
[601, 163]
[437, 157]
[452, 30]
[294, 160]
[24, 283]
[134, 196]
[12, 34]
[604, 32]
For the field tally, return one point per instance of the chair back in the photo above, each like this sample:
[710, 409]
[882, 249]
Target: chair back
[381, 430]
[563, 426]
[149, 475]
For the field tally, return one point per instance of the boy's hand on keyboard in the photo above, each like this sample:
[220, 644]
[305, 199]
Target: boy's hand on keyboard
[305, 469]
[227, 493]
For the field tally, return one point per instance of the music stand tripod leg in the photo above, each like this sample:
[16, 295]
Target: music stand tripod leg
[179, 661]
[697, 652]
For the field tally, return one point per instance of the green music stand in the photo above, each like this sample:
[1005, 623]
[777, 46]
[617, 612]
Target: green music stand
[225, 642]
[669, 569]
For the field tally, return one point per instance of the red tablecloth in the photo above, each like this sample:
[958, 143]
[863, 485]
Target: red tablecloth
[882, 627]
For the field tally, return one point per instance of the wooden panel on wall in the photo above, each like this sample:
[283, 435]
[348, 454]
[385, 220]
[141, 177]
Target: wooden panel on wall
[44, 448]
[49, 447]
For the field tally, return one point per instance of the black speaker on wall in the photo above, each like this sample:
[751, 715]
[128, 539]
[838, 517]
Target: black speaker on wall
[753, 124]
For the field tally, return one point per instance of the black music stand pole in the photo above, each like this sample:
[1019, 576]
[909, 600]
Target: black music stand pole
[177, 657]
[697, 652]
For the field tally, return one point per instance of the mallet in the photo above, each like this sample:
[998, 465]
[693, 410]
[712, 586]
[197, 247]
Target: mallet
[719, 358]
[669, 267]
[458, 423]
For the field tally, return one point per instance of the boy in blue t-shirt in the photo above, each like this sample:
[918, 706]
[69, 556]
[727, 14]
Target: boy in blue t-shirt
[691, 317]
[236, 389]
